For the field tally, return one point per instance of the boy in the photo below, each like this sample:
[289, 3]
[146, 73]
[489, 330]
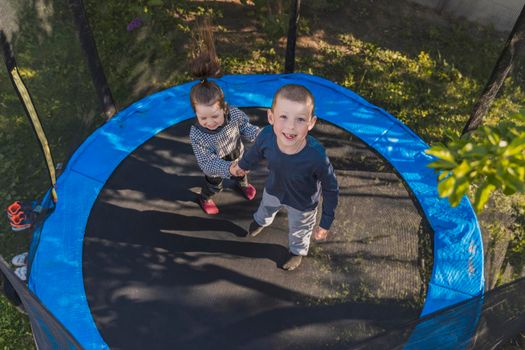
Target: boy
[299, 171]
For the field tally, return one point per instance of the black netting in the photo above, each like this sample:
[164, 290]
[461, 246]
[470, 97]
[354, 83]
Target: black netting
[48, 332]
[501, 324]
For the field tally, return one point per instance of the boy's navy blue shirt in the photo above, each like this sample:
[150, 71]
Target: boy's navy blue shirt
[296, 179]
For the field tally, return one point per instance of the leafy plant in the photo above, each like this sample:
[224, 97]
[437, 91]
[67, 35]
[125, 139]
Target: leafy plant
[490, 158]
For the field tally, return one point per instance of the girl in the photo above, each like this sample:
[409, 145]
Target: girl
[216, 135]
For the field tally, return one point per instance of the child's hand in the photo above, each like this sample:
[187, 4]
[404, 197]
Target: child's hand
[320, 234]
[235, 170]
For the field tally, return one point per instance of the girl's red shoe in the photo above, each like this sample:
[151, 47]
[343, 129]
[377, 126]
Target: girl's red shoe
[208, 206]
[249, 192]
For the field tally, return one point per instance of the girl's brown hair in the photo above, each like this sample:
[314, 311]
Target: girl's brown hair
[205, 64]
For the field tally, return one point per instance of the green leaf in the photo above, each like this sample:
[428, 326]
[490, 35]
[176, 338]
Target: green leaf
[494, 180]
[462, 170]
[443, 175]
[477, 151]
[493, 138]
[462, 187]
[512, 179]
[451, 134]
[454, 199]
[441, 152]
[442, 164]
[482, 195]
[508, 190]
[517, 146]
[520, 173]
[446, 187]
[519, 117]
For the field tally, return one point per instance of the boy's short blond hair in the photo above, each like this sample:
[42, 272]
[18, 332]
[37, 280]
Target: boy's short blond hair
[295, 93]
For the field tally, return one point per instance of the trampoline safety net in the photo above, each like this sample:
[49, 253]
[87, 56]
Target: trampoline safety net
[128, 260]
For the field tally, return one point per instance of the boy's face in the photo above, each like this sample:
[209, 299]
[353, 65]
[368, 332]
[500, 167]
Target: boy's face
[291, 122]
[210, 117]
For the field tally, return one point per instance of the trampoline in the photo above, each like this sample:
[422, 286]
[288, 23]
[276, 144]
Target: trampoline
[128, 260]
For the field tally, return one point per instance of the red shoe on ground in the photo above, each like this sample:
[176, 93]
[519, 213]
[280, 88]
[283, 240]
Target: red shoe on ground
[13, 208]
[208, 206]
[249, 192]
[21, 221]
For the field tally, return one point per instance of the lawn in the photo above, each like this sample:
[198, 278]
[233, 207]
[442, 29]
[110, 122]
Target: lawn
[425, 69]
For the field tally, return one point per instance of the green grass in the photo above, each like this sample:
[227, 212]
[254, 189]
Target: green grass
[427, 72]
[15, 332]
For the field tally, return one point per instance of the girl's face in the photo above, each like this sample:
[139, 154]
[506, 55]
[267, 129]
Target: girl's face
[210, 117]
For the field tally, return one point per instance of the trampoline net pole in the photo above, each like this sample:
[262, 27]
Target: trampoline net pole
[289, 65]
[27, 102]
[90, 50]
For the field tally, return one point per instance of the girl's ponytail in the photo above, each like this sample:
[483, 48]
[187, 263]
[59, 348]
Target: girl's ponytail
[205, 64]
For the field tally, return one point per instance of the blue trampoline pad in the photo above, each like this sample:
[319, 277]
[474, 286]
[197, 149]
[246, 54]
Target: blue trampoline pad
[57, 268]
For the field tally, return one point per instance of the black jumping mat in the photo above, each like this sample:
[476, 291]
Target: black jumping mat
[159, 273]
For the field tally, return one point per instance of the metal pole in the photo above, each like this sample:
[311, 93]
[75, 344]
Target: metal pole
[90, 50]
[289, 65]
[27, 103]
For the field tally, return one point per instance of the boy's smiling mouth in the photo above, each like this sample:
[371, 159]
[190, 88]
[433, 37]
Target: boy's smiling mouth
[289, 136]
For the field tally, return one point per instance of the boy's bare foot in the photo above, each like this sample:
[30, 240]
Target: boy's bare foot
[254, 229]
[293, 262]
[208, 205]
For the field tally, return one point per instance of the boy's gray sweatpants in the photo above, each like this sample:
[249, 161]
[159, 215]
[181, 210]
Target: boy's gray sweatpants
[300, 223]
